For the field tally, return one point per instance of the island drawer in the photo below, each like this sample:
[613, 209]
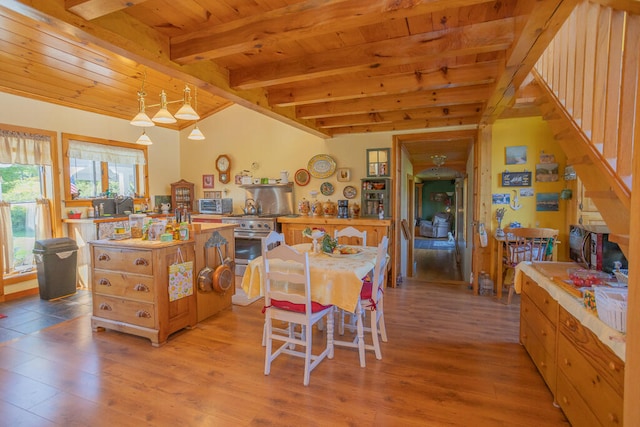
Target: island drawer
[123, 310]
[543, 358]
[131, 286]
[125, 260]
[541, 299]
[605, 362]
[540, 325]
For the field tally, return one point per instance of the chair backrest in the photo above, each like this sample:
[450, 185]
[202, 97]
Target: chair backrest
[380, 269]
[351, 232]
[287, 279]
[529, 244]
[272, 240]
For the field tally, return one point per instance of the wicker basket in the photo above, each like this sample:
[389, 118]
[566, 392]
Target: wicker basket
[611, 304]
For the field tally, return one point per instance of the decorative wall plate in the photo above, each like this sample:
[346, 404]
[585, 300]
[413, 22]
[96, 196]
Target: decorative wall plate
[321, 166]
[326, 189]
[349, 192]
[302, 177]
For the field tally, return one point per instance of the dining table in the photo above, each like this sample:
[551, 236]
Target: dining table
[335, 278]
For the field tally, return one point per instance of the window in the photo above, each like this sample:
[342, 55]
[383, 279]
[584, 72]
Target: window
[27, 183]
[378, 162]
[100, 168]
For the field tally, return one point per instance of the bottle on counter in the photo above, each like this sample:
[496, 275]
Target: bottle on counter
[184, 231]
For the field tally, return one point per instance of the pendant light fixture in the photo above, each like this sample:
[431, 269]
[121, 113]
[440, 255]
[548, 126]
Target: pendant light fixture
[185, 112]
[196, 134]
[144, 138]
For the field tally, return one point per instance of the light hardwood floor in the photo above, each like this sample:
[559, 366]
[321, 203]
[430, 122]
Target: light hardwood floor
[452, 359]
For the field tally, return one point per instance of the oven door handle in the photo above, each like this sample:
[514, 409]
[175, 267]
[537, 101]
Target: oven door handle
[250, 235]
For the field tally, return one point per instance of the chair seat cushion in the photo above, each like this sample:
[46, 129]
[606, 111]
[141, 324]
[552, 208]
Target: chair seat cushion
[298, 308]
[365, 293]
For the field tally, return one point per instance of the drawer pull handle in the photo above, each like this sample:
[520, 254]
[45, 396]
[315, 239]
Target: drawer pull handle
[613, 366]
[612, 418]
[566, 362]
[104, 257]
[543, 333]
[542, 364]
[565, 400]
[106, 307]
[141, 261]
[143, 313]
[104, 282]
[141, 287]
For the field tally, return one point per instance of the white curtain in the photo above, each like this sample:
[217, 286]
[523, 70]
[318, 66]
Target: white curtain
[43, 219]
[24, 148]
[105, 153]
[6, 237]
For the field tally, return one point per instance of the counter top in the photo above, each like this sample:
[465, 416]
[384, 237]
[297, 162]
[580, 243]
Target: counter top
[319, 220]
[103, 219]
[537, 271]
[140, 244]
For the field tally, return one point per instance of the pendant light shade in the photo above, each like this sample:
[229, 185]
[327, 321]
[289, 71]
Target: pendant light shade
[144, 139]
[196, 134]
[142, 120]
[163, 115]
[186, 112]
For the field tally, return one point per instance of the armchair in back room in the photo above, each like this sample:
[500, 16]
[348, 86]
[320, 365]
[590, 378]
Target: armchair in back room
[439, 226]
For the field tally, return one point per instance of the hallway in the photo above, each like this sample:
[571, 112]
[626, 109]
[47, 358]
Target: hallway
[436, 265]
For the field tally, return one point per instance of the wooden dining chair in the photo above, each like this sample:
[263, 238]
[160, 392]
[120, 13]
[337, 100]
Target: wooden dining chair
[287, 298]
[372, 301]
[351, 236]
[526, 244]
[269, 242]
[354, 237]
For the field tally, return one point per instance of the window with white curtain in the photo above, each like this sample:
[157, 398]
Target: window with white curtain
[100, 168]
[25, 177]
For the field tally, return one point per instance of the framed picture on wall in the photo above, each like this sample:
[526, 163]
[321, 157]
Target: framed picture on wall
[547, 202]
[516, 155]
[343, 174]
[516, 179]
[207, 181]
[547, 172]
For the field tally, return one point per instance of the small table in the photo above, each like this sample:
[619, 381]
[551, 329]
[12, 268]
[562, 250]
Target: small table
[334, 280]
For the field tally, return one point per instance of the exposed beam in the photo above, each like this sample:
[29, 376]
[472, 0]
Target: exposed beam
[419, 80]
[306, 19]
[92, 9]
[472, 39]
[429, 99]
[407, 125]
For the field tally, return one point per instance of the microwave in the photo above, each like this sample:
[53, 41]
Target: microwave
[590, 246]
[215, 206]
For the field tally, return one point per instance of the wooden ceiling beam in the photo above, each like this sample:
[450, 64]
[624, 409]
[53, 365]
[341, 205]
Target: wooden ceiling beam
[472, 39]
[454, 111]
[306, 19]
[419, 80]
[429, 99]
[92, 9]
[407, 125]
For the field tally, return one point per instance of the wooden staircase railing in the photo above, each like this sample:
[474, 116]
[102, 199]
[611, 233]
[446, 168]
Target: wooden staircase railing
[589, 77]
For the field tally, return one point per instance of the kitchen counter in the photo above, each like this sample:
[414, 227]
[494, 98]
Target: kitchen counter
[539, 272]
[323, 220]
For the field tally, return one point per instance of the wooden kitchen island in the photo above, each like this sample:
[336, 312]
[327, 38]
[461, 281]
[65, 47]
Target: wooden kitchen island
[130, 288]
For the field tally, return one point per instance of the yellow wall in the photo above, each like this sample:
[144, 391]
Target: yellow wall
[534, 133]
[248, 137]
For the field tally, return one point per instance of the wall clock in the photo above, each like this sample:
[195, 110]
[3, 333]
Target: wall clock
[223, 164]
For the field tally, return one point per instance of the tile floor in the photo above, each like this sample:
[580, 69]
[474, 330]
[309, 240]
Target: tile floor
[31, 314]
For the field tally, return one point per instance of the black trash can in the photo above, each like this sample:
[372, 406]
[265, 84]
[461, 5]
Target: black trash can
[56, 260]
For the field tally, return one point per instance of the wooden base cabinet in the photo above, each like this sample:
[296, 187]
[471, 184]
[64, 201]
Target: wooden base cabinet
[584, 375]
[538, 325]
[590, 376]
[130, 288]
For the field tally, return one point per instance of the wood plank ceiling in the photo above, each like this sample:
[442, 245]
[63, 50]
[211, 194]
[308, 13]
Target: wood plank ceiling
[329, 67]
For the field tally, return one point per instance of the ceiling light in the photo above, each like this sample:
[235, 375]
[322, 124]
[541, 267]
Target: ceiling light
[186, 111]
[196, 134]
[144, 139]
[438, 159]
[163, 115]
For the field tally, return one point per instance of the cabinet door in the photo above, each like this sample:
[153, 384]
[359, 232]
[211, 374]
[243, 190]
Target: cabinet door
[588, 213]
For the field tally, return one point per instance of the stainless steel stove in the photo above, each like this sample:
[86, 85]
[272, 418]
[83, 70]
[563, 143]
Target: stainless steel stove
[248, 234]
